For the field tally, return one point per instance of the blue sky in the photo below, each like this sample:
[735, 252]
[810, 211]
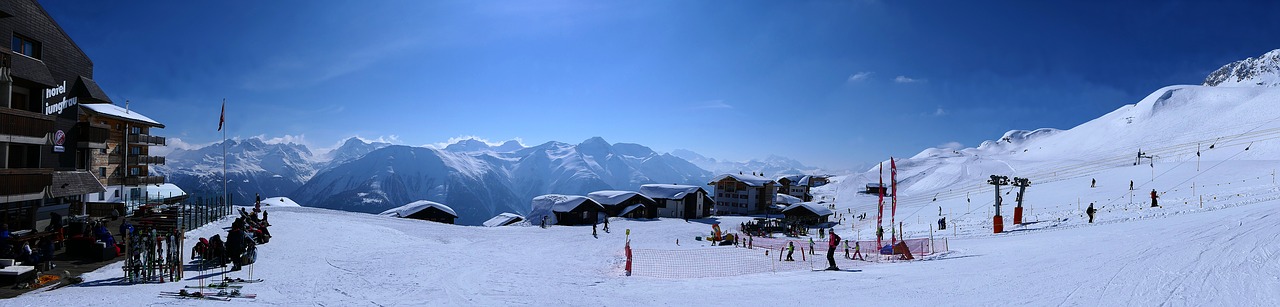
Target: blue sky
[832, 84]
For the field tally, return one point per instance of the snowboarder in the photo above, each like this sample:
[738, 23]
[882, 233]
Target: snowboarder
[791, 249]
[832, 244]
[1154, 197]
[1093, 184]
[1090, 212]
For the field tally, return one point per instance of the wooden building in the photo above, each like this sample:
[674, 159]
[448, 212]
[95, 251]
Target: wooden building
[424, 210]
[807, 213]
[565, 210]
[800, 185]
[504, 219]
[678, 201]
[743, 194]
[626, 204]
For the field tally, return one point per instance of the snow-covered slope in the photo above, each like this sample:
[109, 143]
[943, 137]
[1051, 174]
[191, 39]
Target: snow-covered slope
[1263, 70]
[253, 166]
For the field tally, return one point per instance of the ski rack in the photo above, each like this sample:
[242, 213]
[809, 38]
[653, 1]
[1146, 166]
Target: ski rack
[154, 249]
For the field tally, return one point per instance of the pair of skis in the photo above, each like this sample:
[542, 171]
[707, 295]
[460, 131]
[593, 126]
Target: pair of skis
[222, 295]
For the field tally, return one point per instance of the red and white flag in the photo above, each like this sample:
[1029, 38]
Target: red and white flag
[223, 117]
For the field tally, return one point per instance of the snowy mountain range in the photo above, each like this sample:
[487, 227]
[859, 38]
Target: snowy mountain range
[475, 178]
[1263, 70]
[773, 165]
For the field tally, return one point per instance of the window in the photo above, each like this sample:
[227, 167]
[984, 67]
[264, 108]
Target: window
[102, 150]
[117, 193]
[26, 46]
[102, 196]
[135, 151]
[102, 172]
[134, 171]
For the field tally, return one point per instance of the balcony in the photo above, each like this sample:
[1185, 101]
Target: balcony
[25, 124]
[141, 180]
[21, 181]
[143, 139]
[136, 160]
[91, 136]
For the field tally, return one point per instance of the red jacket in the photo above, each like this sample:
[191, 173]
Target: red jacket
[833, 240]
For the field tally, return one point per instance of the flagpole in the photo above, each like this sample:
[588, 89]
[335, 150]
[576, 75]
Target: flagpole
[225, 199]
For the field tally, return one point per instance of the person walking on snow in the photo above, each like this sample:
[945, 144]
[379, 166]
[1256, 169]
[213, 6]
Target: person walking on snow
[1154, 198]
[1093, 184]
[811, 244]
[791, 249]
[857, 251]
[606, 225]
[593, 231]
[832, 244]
[1090, 212]
[1130, 185]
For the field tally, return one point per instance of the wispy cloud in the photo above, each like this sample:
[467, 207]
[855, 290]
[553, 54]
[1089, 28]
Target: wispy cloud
[712, 104]
[173, 143]
[953, 145]
[858, 77]
[286, 139]
[905, 79]
[939, 112]
[290, 71]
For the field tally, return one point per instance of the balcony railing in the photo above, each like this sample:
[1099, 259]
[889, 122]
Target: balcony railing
[141, 180]
[25, 123]
[136, 160]
[144, 139]
[89, 133]
[24, 181]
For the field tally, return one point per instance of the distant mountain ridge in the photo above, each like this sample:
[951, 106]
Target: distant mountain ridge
[1263, 70]
[474, 177]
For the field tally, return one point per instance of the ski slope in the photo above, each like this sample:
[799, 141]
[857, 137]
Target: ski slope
[335, 258]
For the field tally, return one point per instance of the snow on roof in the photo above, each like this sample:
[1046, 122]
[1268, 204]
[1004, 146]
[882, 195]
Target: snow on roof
[560, 203]
[751, 180]
[414, 207]
[815, 207]
[786, 199]
[165, 191]
[613, 197]
[279, 202]
[630, 208]
[667, 191]
[503, 219]
[544, 206]
[118, 112]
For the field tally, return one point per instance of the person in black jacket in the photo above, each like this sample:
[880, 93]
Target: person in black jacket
[1090, 212]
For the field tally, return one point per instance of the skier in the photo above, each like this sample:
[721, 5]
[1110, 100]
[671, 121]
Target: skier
[593, 231]
[1154, 198]
[1090, 212]
[811, 244]
[544, 221]
[606, 225]
[942, 223]
[846, 249]
[832, 244]
[1093, 184]
[857, 251]
[791, 249]
[1130, 185]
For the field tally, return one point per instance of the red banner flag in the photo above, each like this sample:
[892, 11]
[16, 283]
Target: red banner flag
[880, 211]
[893, 210]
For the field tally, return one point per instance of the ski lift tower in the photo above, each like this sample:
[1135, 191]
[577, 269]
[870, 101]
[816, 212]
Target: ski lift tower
[998, 181]
[1022, 184]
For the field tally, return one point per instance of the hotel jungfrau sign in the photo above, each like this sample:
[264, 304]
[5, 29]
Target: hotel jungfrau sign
[51, 107]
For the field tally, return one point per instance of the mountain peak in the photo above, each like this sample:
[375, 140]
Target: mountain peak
[1263, 70]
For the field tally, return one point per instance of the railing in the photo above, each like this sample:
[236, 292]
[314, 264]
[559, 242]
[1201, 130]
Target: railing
[89, 133]
[136, 160]
[141, 180]
[146, 139]
[24, 181]
[25, 123]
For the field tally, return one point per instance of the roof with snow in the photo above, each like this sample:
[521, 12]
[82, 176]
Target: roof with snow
[630, 208]
[279, 202]
[786, 199]
[817, 208]
[668, 191]
[414, 207]
[750, 180]
[504, 219]
[114, 111]
[561, 203]
[614, 197]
